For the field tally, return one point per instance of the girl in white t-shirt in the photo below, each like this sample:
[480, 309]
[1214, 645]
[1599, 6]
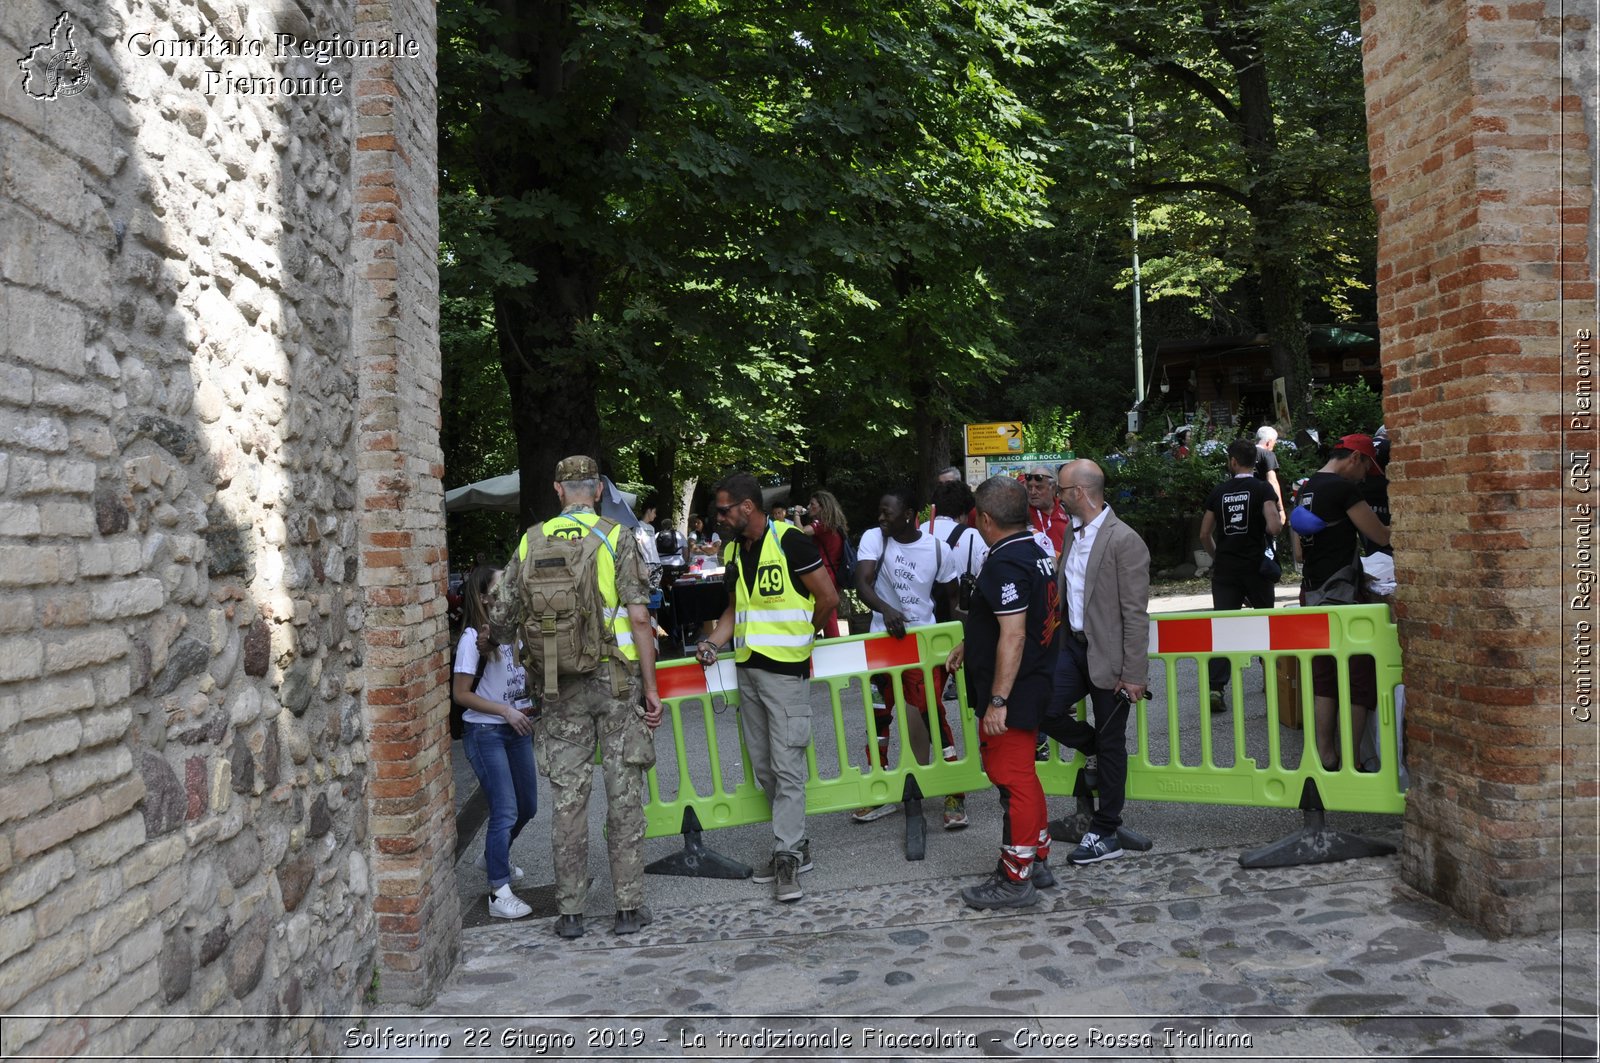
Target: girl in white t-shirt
[498, 738]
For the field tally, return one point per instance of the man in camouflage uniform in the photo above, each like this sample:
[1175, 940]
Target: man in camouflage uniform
[616, 706]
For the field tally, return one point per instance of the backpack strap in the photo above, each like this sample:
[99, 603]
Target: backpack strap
[596, 529]
[955, 537]
[477, 676]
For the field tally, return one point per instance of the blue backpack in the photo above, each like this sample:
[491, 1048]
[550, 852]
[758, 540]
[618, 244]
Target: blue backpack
[845, 574]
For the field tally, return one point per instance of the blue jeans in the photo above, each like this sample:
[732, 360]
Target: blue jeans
[503, 760]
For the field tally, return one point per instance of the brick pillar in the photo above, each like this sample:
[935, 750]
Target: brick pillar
[402, 543]
[1483, 176]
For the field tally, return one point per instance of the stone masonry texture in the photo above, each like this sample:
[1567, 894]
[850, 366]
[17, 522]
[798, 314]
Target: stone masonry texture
[221, 537]
[1480, 119]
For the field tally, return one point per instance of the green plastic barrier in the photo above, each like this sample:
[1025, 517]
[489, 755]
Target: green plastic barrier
[1298, 634]
[687, 687]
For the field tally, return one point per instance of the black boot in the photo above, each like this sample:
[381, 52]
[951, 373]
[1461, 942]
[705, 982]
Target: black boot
[632, 920]
[569, 926]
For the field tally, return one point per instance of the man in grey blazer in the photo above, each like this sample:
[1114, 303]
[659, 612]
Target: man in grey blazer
[1103, 583]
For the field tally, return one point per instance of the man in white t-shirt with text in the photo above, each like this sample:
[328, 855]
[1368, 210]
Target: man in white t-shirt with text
[901, 571]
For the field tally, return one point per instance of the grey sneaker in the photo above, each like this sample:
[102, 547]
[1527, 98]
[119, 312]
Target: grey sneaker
[786, 877]
[1217, 704]
[873, 813]
[1093, 849]
[998, 891]
[767, 872]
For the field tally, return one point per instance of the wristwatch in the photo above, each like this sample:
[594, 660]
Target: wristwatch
[997, 702]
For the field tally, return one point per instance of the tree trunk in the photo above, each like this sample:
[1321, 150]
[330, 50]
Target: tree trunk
[1282, 315]
[1238, 37]
[553, 411]
[656, 470]
[933, 442]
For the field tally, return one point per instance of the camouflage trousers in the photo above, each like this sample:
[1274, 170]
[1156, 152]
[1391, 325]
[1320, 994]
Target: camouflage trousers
[589, 714]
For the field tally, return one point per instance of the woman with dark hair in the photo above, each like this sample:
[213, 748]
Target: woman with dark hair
[828, 529]
[498, 738]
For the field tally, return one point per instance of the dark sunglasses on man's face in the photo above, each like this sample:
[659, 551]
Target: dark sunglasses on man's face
[1036, 477]
[722, 511]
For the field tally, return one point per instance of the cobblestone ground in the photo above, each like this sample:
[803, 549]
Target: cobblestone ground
[1174, 955]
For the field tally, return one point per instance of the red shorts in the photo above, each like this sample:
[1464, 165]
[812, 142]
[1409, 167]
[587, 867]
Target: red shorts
[916, 691]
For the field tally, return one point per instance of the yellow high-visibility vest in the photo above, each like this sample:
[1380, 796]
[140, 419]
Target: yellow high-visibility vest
[774, 619]
[615, 615]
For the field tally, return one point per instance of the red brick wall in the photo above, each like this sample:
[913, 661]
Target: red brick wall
[402, 545]
[1483, 176]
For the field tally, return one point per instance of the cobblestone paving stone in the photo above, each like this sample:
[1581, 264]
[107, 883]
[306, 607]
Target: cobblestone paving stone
[1163, 955]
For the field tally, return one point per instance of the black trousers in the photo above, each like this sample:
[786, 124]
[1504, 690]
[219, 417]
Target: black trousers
[1107, 739]
[1232, 587]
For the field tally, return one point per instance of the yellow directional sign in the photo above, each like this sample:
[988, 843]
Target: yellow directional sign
[1000, 437]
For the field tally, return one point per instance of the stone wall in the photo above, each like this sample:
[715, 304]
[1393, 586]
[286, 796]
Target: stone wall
[220, 533]
[1480, 121]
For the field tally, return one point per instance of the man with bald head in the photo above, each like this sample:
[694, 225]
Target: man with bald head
[1103, 585]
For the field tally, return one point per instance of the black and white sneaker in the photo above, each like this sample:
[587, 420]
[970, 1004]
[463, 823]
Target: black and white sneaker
[1093, 849]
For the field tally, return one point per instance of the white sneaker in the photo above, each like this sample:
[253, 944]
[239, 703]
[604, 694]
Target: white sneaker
[482, 864]
[503, 904]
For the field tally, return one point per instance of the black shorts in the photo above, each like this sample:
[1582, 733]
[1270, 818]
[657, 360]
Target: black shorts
[1363, 679]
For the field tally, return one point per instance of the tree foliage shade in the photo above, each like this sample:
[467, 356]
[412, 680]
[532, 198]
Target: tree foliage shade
[812, 240]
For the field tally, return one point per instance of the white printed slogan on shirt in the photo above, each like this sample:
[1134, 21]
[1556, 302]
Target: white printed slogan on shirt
[1236, 513]
[908, 573]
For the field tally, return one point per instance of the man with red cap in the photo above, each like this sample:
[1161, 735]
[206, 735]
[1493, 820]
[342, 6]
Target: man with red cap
[1328, 524]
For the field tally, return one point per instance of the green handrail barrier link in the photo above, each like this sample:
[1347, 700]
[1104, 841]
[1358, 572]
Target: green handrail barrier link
[687, 687]
[1343, 632]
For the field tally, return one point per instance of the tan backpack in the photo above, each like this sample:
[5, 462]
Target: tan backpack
[565, 631]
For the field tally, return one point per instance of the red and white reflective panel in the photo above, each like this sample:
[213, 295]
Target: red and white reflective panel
[689, 679]
[865, 655]
[1289, 630]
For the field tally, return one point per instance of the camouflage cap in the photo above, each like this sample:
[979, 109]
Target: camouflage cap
[577, 467]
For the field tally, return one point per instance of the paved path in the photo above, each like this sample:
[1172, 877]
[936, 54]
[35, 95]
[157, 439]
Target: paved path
[1174, 953]
[1178, 954]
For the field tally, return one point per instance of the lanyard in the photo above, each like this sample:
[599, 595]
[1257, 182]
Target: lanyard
[590, 529]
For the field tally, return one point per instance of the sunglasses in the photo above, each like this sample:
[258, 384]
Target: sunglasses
[1037, 477]
[722, 511]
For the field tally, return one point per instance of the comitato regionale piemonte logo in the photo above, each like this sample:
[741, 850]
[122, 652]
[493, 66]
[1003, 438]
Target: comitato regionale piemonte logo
[55, 68]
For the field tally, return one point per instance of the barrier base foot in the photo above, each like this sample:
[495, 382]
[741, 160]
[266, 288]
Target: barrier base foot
[1072, 829]
[1315, 843]
[916, 826]
[696, 861]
